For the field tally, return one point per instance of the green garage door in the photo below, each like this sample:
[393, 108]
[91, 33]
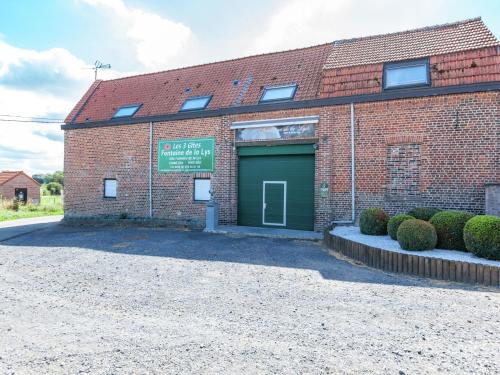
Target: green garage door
[276, 187]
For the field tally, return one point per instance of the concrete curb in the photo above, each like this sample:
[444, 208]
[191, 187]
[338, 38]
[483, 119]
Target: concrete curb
[268, 233]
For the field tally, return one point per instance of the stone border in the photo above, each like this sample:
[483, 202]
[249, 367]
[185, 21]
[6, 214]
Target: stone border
[434, 268]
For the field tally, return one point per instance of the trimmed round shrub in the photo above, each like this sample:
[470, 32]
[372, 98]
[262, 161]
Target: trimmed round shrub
[450, 228]
[482, 236]
[415, 234]
[423, 213]
[373, 221]
[395, 222]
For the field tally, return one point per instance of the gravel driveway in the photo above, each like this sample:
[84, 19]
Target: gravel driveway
[138, 300]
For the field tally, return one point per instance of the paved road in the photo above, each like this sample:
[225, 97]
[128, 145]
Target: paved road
[132, 300]
[14, 228]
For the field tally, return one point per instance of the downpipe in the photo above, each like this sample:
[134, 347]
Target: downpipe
[151, 170]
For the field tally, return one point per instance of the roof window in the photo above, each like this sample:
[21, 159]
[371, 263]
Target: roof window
[196, 102]
[127, 110]
[277, 93]
[406, 74]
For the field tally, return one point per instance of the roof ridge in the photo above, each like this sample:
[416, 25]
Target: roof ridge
[424, 28]
[13, 174]
[217, 62]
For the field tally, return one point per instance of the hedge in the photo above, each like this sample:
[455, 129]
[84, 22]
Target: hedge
[373, 221]
[423, 213]
[395, 222]
[482, 236]
[415, 234]
[450, 228]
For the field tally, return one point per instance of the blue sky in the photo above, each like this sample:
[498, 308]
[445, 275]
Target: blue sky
[46, 47]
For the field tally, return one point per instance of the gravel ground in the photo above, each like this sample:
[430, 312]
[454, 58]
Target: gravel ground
[136, 300]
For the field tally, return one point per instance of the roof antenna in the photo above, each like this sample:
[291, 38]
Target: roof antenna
[99, 65]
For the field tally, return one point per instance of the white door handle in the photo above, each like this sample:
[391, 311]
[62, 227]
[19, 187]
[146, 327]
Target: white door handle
[265, 205]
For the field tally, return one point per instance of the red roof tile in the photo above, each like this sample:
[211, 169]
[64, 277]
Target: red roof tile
[6, 176]
[165, 92]
[412, 44]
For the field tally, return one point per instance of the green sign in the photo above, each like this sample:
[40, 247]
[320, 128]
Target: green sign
[186, 155]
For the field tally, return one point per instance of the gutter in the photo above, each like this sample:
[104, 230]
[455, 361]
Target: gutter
[311, 103]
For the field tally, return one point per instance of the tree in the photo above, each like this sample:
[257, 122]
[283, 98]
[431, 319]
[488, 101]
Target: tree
[57, 176]
[40, 178]
[54, 188]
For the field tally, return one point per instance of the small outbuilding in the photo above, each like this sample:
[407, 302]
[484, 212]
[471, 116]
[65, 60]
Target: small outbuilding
[17, 184]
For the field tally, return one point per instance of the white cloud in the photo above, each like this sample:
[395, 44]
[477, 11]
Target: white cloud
[159, 42]
[298, 23]
[36, 84]
[53, 70]
[48, 84]
[23, 146]
[27, 146]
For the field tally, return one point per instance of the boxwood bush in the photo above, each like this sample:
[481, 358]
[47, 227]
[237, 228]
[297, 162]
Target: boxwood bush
[395, 222]
[450, 228]
[415, 234]
[373, 221]
[482, 236]
[423, 213]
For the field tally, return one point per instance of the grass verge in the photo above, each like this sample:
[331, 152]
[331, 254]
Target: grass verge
[49, 205]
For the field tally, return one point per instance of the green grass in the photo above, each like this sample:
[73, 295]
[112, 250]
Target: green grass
[49, 205]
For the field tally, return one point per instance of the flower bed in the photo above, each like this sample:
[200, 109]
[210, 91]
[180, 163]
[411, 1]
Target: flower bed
[384, 253]
[386, 243]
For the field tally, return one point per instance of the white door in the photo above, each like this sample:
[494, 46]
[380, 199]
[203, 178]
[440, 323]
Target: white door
[274, 203]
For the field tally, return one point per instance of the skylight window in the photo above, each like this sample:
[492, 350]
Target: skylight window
[406, 74]
[276, 93]
[127, 110]
[196, 102]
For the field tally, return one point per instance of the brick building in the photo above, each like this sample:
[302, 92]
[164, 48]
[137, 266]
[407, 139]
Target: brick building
[17, 184]
[295, 139]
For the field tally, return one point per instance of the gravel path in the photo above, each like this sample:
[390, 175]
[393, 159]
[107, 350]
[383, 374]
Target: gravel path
[136, 300]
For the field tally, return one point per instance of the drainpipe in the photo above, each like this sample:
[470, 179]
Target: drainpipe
[151, 170]
[353, 175]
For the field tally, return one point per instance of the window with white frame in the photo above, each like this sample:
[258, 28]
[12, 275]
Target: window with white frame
[202, 189]
[406, 74]
[110, 188]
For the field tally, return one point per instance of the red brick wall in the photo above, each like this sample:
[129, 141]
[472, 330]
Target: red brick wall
[91, 155]
[7, 190]
[475, 66]
[173, 192]
[458, 141]
[455, 135]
